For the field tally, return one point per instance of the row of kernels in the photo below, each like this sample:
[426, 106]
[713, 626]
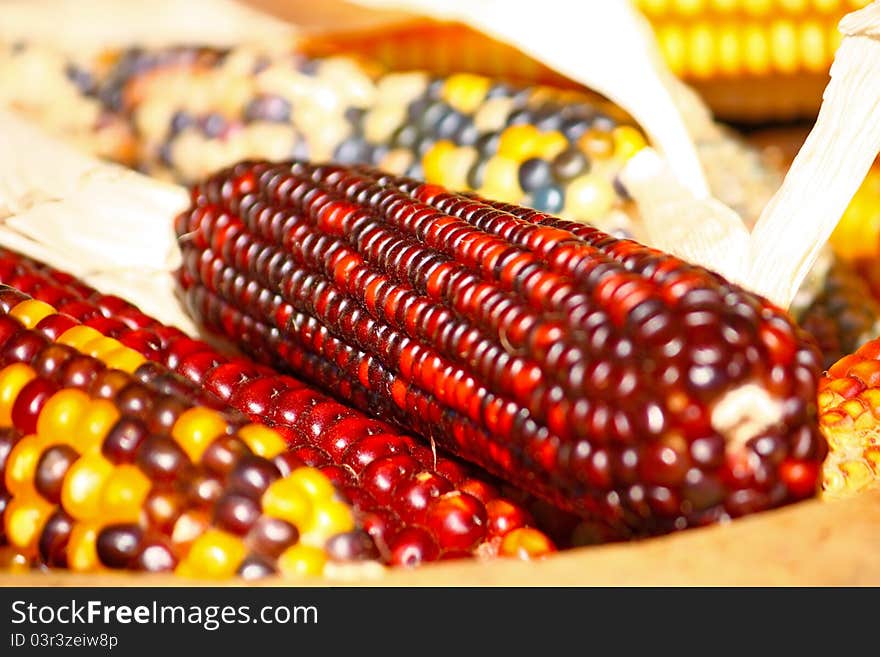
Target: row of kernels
[92, 489]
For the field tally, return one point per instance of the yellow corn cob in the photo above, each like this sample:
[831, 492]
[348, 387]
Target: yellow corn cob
[751, 59]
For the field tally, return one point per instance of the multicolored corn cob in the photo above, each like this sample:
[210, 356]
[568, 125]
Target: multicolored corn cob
[416, 503]
[609, 378]
[751, 59]
[849, 416]
[104, 468]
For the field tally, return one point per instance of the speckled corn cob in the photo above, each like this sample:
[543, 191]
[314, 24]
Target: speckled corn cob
[849, 416]
[594, 372]
[103, 469]
[416, 504]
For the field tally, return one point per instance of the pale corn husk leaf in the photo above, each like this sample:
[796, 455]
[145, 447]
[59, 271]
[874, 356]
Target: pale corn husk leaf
[828, 169]
[701, 230]
[102, 222]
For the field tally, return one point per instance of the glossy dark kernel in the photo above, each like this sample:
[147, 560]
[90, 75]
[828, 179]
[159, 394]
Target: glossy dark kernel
[51, 469]
[118, 545]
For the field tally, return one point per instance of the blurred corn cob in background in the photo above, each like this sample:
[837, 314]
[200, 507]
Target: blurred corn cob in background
[751, 60]
[181, 113]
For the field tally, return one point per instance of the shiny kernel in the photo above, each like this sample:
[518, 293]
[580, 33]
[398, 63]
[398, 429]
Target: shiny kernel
[501, 180]
[95, 422]
[83, 484]
[330, 518]
[588, 197]
[124, 358]
[21, 465]
[302, 560]
[77, 336]
[313, 482]
[465, 91]
[214, 555]
[526, 543]
[12, 379]
[30, 312]
[262, 440]
[196, 428]
[285, 499]
[434, 161]
[627, 141]
[99, 347]
[59, 419]
[23, 520]
[551, 144]
[82, 552]
[520, 142]
[123, 494]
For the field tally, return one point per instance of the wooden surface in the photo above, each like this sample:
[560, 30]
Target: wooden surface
[811, 544]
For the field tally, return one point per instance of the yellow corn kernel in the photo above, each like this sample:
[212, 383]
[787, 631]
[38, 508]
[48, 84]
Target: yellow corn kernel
[330, 517]
[12, 379]
[728, 49]
[123, 494]
[434, 161]
[77, 336]
[701, 50]
[465, 91]
[61, 415]
[784, 46]
[302, 560]
[124, 358]
[286, 499]
[99, 347]
[83, 483]
[82, 553]
[313, 482]
[214, 555]
[588, 197]
[519, 142]
[689, 7]
[24, 519]
[262, 440]
[95, 422]
[673, 45]
[627, 141]
[525, 543]
[501, 180]
[196, 428]
[756, 50]
[757, 7]
[30, 312]
[21, 466]
[814, 55]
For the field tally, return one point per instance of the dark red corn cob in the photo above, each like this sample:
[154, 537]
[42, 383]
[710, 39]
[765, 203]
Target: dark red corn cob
[609, 378]
[394, 481]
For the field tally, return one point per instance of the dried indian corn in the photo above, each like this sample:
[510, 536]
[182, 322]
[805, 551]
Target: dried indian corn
[104, 468]
[751, 59]
[609, 378]
[417, 505]
[849, 408]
